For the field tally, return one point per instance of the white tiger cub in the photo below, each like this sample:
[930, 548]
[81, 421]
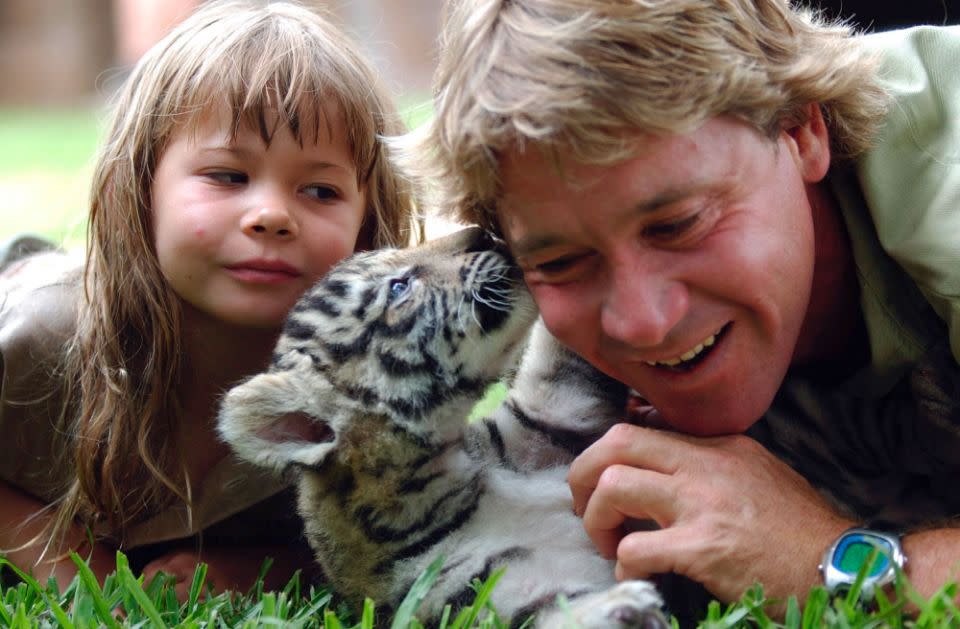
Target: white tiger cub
[366, 402]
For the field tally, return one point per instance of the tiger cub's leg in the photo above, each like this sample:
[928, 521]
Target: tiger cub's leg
[556, 406]
[627, 605]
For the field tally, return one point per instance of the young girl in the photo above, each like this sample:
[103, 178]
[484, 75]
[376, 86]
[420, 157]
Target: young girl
[244, 160]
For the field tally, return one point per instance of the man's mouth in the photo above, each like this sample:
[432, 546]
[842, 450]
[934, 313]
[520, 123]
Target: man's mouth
[692, 357]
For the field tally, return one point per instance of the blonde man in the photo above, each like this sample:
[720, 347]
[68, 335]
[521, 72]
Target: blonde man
[751, 217]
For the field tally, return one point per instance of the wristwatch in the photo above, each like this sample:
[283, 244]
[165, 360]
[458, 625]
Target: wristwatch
[847, 555]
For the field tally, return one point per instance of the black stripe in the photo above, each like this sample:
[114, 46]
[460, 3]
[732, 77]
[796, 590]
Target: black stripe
[427, 401]
[317, 301]
[468, 593]
[435, 536]
[369, 294]
[296, 329]
[415, 485]
[570, 440]
[547, 600]
[341, 352]
[339, 288]
[402, 327]
[364, 516]
[496, 438]
[396, 366]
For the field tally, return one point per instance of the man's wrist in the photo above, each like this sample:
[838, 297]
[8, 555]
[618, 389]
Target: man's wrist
[869, 556]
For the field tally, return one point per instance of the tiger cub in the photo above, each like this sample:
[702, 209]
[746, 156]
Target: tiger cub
[366, 401]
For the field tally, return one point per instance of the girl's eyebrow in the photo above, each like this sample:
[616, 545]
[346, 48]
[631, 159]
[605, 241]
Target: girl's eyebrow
[224, 148]
[241, 153]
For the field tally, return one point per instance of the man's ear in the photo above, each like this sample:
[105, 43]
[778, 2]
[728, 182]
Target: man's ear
[809, 143]
[279, 419]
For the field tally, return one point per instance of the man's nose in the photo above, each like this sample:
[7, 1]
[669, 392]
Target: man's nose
[641, 307]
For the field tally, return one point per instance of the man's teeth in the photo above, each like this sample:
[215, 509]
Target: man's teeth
[690, 355]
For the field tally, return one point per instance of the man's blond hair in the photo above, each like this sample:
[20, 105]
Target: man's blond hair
[586, 76]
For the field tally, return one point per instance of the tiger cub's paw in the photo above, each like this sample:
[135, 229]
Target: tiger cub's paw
[628, 605]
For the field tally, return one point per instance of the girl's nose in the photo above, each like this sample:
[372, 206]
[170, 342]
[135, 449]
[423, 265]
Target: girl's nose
[269, 222]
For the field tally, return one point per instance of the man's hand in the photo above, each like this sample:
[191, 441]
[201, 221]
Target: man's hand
[730, 513]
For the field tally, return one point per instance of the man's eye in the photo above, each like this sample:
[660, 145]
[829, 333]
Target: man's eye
[669, 231]
[322, 193]
[227, 177]
[557, 265]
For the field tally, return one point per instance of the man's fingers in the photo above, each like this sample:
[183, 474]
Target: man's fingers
[625, 444]
[625, 492]
[645, 553]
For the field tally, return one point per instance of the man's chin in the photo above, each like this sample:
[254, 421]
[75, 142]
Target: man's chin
[647, 415]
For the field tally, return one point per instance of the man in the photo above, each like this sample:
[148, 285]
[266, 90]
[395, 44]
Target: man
[752, 218]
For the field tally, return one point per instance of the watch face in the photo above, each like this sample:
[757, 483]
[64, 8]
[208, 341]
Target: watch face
[854, 551]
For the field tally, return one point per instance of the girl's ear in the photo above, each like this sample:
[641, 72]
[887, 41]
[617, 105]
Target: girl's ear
[809, 144]
[274, 420]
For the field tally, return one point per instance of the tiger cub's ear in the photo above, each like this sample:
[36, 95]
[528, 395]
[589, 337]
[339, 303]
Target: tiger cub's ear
[279, 419]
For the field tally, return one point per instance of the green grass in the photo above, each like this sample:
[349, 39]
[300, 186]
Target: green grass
[45, 170]
[47, 140]
[125, 600]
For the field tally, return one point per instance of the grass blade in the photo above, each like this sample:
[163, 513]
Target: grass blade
[196, 587]
[367, 616]
[96, 594]
[133, 588]
[418, 591]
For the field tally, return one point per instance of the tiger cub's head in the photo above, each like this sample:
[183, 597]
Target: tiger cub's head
[411, 337]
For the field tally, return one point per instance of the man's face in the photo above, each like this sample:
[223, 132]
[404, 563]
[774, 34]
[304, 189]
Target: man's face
[685, 271]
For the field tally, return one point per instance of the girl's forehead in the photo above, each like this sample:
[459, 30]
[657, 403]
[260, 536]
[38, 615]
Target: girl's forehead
[312, 121]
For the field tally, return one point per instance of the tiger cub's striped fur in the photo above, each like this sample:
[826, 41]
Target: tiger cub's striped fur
[366, 402]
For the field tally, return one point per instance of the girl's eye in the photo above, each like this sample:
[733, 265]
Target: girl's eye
[322, 193]
[398, 288]
[671, 231]
[227, 177]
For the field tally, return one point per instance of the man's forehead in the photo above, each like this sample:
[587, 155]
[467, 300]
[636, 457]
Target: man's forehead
[657, 166]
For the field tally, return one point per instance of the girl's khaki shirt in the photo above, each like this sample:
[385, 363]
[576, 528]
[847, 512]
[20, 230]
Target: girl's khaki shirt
[38, 303]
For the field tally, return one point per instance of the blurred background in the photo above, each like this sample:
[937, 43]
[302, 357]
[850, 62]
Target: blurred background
[60, 60]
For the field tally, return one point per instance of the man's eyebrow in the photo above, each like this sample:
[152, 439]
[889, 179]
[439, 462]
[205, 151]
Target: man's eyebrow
[671, 195]
[529, 244]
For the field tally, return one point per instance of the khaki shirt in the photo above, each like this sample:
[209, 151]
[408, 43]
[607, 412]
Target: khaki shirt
[884, 442]
[237, 503]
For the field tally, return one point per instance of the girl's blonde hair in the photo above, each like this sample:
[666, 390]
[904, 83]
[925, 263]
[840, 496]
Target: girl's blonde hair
[585, 76]
[262, 61]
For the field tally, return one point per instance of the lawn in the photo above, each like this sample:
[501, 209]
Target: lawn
[125, 600]
[45, 166]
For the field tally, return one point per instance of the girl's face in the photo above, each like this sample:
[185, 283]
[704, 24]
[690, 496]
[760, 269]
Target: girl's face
[241, 228]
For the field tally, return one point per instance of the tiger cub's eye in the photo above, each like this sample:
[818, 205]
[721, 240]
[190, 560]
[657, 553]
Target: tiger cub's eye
[398, 288]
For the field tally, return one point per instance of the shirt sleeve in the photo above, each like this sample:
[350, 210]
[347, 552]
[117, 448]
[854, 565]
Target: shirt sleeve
[911, 178]
[37, 311]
